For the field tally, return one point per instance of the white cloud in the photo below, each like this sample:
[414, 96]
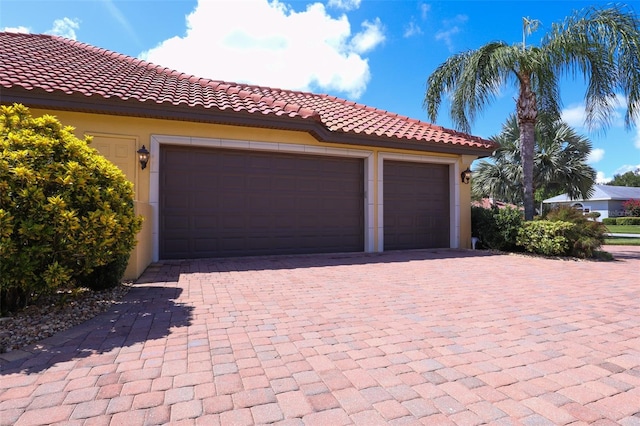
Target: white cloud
[595, 155]
[23, 30]
[65, 27]
[411, 30]
[626, 168]
[601, 178]
[370, 37]
[446, 36]
[458, 19]
[452, 28]
[344, 4]
[424, 10]
[576, 114]
[272, 45]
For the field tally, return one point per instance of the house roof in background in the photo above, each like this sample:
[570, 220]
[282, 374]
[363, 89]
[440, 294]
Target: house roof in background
[50, 71]
[602, 193]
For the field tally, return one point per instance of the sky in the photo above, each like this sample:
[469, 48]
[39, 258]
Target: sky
[374, 52]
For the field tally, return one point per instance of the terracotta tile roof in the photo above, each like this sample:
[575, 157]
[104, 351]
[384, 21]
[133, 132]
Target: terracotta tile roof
[488, 203]
[56, 65]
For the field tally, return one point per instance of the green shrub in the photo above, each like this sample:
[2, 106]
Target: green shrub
[106, 276]
[628, 221]
[586, 237]
[497, 229]
[482, 225]
[546, 237]
[609, 221]
[64, 209]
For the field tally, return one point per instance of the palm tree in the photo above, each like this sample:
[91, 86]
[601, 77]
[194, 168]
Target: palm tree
[601, 44]
[560, 164]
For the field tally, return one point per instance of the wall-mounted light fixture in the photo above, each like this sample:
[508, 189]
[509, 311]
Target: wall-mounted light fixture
[143, 157]
[465, 176]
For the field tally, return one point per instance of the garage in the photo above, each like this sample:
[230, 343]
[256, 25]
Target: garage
[416, 205]
[225, 202]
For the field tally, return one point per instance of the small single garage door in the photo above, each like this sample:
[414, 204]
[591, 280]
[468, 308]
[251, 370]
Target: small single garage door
[217, 202]
[416, 205]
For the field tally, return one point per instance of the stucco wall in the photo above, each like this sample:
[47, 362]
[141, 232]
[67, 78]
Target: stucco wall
[141, 131]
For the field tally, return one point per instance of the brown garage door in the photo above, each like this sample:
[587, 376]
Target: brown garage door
[416, 205]
[216, 203]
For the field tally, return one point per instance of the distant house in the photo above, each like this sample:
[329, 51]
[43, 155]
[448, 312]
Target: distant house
[606, 200]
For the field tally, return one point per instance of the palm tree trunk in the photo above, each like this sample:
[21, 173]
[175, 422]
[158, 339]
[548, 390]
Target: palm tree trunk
[527, 148]
[527, 112]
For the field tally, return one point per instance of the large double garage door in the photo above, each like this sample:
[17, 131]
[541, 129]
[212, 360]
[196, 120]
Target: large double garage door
[216, 202]
[224, 202]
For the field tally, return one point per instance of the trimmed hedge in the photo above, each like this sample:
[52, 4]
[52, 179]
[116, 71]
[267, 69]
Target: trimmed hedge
[550, 238]
[610, 221]
[628, 221]
[586, 237]
[497, 229]
[65, 210]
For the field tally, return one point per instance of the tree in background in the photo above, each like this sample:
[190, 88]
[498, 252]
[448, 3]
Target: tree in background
[626, 179]
[603, 45]
[560, 164]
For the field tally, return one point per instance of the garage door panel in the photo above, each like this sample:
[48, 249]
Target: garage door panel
[180, 245]
[258, 183]
[230, 182]
[204, 203]
[250, 203]
[177, 222]
[178, 201]
[416, 205]
[259, 204]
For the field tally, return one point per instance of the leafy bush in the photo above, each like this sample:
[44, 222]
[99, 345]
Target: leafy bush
[632, 207]
[546, 237]
[586, 237]
[609, 221]
[64, 209]
[106, 276]
[497, 229]
[628, 221]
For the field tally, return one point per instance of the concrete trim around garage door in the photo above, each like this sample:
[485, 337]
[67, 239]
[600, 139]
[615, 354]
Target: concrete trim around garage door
[454, 192]
[250, 145]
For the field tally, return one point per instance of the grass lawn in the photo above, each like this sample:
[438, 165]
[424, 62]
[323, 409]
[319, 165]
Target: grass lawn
[624, 229]
[622, 241]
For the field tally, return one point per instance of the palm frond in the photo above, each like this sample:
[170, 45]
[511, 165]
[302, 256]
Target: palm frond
[472, 79]
[560, 163]
[603, 45]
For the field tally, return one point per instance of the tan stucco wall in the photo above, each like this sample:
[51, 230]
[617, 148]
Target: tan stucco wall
[141, 130]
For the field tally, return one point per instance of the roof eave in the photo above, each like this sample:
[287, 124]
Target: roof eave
[36, 98]
[326, 135]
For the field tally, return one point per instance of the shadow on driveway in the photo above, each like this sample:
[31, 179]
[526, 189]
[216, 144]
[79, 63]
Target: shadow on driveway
[145, 313]
[170, 270]
[623, 252]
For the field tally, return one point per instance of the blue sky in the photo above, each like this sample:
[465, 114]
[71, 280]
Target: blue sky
[375, 52]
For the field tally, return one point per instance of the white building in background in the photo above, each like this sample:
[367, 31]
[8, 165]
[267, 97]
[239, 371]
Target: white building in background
[606, 200]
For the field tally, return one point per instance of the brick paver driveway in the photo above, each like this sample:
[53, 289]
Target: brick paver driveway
[422, 337]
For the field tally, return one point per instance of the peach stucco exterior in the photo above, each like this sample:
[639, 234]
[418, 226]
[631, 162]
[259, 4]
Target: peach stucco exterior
[119, 137]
